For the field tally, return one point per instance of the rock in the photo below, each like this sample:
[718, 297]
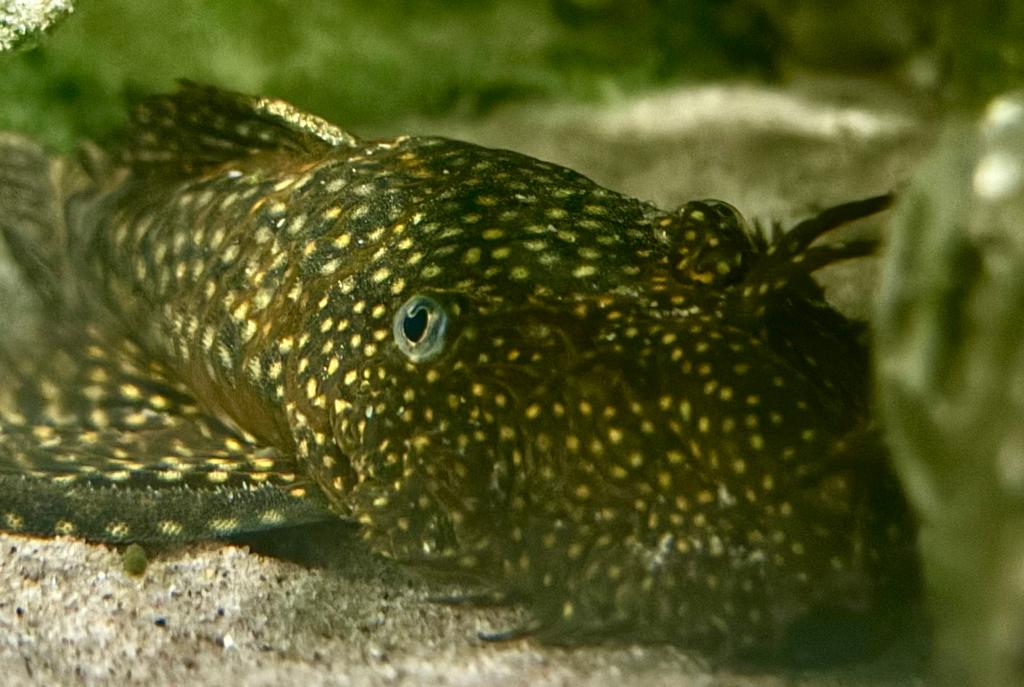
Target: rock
[950, 372]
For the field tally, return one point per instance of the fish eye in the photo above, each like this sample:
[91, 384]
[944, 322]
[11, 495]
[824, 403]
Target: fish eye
[419, 328]
[729, 213]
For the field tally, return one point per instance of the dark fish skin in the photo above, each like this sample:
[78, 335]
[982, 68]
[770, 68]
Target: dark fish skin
[644, 425]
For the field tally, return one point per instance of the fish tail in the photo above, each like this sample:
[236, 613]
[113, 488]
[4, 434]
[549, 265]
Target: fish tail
[31, 218]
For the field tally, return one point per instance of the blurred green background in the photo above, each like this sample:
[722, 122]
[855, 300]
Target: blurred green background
[366, 63]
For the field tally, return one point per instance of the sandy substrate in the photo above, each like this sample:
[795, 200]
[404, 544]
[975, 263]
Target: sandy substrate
[320, 610]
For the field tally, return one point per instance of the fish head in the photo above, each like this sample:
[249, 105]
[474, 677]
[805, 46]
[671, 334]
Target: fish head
[580, 360]
[567, 395]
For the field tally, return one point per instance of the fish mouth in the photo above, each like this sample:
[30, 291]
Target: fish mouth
[643, 533]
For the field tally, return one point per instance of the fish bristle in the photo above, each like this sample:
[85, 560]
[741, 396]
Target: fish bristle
[786, 260]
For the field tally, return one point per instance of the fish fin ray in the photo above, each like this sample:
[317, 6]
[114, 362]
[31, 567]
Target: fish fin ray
[31, 221]
[200, 127]
[163, 483]
[74, 371]
[88, 419]
[36, 505]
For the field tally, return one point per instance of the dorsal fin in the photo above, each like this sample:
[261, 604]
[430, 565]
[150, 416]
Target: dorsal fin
[202, 126]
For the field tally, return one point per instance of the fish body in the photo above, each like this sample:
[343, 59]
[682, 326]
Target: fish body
[644, 425]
